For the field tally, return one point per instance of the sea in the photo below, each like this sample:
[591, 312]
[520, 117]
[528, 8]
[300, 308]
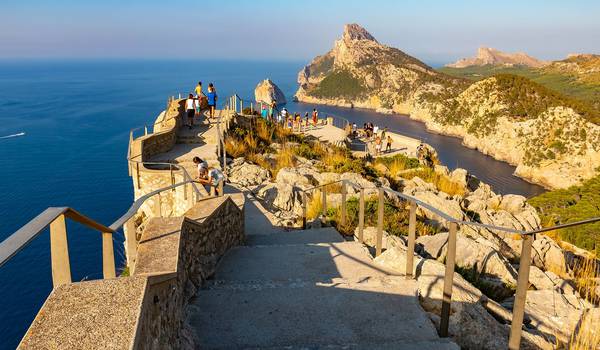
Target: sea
[64, 130]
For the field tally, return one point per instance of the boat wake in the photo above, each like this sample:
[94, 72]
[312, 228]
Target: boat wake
[13, 135]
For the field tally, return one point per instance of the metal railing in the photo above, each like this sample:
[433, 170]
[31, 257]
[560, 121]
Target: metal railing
[59, 248]
[452, 223]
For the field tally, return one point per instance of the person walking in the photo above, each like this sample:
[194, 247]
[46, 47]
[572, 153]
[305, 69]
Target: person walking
[377, 146]
[199, 96]
[190, 109]
[198, 89]
[212, 99]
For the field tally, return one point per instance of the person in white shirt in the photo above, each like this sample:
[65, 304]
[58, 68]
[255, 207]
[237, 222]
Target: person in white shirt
[190, 109]
[202, 167]
[214, 179]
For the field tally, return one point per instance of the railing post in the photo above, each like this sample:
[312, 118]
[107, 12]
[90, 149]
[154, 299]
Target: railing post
[448, 281]
[324, 203]
[252, 108]
[304, 210]
[171, 174]
[379, 241]
[145, 130]
[108, 256]
[241, 106]
[137, 175]
[59, 252]
[131, 243]
[343, 219]
[521, 294]
[361, 214]
[412, 229]
[221, 188]
[158, 207]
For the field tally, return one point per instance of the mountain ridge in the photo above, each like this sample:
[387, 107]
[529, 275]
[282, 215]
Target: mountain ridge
[490, 56]
[506, 117]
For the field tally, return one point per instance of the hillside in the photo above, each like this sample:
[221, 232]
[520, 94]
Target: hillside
[548, 136]
[489, 56]
[577, 76]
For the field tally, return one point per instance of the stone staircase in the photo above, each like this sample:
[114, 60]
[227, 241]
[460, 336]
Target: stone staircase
[307, 290]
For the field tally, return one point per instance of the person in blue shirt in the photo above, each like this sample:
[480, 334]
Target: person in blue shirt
[212, 100]
[264, 112]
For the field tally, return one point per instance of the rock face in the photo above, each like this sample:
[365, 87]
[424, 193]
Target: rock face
[266, 91]
[489, 56]
[488, 115]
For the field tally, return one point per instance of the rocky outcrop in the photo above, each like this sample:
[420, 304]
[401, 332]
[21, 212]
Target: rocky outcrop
[489, 56]
[490, 115]
[246, 174]
[266, 91]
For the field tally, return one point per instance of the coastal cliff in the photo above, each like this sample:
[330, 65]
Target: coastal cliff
[553, 140]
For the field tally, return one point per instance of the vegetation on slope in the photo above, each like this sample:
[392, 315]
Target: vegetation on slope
[339, 84]
[587, 89]
[569, 205]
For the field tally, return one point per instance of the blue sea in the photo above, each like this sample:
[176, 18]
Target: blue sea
[75, 117]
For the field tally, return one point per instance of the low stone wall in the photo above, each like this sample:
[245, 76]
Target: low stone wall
[146, 310]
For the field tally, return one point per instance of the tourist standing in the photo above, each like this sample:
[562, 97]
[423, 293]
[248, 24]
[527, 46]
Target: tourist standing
[212, 99]
[272, 109]
[190, 109]
[377, 145]
[388, 146]
[199, 96]
[263, 112]
[315, 117]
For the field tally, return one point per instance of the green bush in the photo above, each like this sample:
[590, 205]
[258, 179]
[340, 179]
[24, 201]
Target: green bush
[339, 84]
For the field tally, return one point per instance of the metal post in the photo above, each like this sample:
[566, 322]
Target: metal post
[171, 174]
[145, 130]
[304, 210]
[324, 204]
[59, 252]
[361, 215]
[379, 242]
[343, 219]
[221, 188]
[158, 208]
[412, 229]
[108, 256]
[130, 243]
[522, 284]
[448, 280]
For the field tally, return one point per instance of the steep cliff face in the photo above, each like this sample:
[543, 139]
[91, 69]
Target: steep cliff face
[489, 56]
[551, 139]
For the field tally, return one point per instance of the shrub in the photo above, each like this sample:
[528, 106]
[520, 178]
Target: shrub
[339, 84]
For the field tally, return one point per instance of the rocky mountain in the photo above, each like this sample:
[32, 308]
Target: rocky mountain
[267, 91]
[489, 56]
[553, 140]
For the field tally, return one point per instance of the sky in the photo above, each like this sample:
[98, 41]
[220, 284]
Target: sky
[434, 31]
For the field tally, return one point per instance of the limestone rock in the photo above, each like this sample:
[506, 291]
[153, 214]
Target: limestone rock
[246, 174]
[387, 241]
[299, 176]
[450, 207]
[266, 91]
[548, 255]
[282, 196]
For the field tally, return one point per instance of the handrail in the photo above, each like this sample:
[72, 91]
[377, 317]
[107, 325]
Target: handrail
[518, 311]
[24, 235]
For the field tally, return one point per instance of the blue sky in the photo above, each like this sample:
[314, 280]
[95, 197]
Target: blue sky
[434, 31]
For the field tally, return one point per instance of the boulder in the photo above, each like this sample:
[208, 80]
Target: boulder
[416, 184]
[298, 176]
[358, 181]
[550, 281]
[548, 255]
[266, 91]
[479, 255]
[471, 325]
[555, 314]
[282, 197]
[459, 176]
[512, 203]
[246, 174]
[449, 207]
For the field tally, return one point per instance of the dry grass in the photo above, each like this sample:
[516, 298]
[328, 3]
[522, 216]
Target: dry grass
[441, 182]
[314, 207]
[285, 159]
[587, 279]
[258, 160]
[587, 336]
[333, 159]
[235, 148]
[264, 132]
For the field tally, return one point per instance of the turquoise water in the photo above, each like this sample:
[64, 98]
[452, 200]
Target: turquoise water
[76, 118]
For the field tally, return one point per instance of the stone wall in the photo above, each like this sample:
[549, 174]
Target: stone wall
[146, 310]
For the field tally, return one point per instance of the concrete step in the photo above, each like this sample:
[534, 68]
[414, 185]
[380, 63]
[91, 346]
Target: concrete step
[378, 313]
[320, 262]
[321, 235]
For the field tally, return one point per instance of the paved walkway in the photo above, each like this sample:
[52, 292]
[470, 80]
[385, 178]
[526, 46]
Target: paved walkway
[307, 290]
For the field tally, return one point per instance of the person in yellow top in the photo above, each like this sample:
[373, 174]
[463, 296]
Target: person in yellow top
[198, 89]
